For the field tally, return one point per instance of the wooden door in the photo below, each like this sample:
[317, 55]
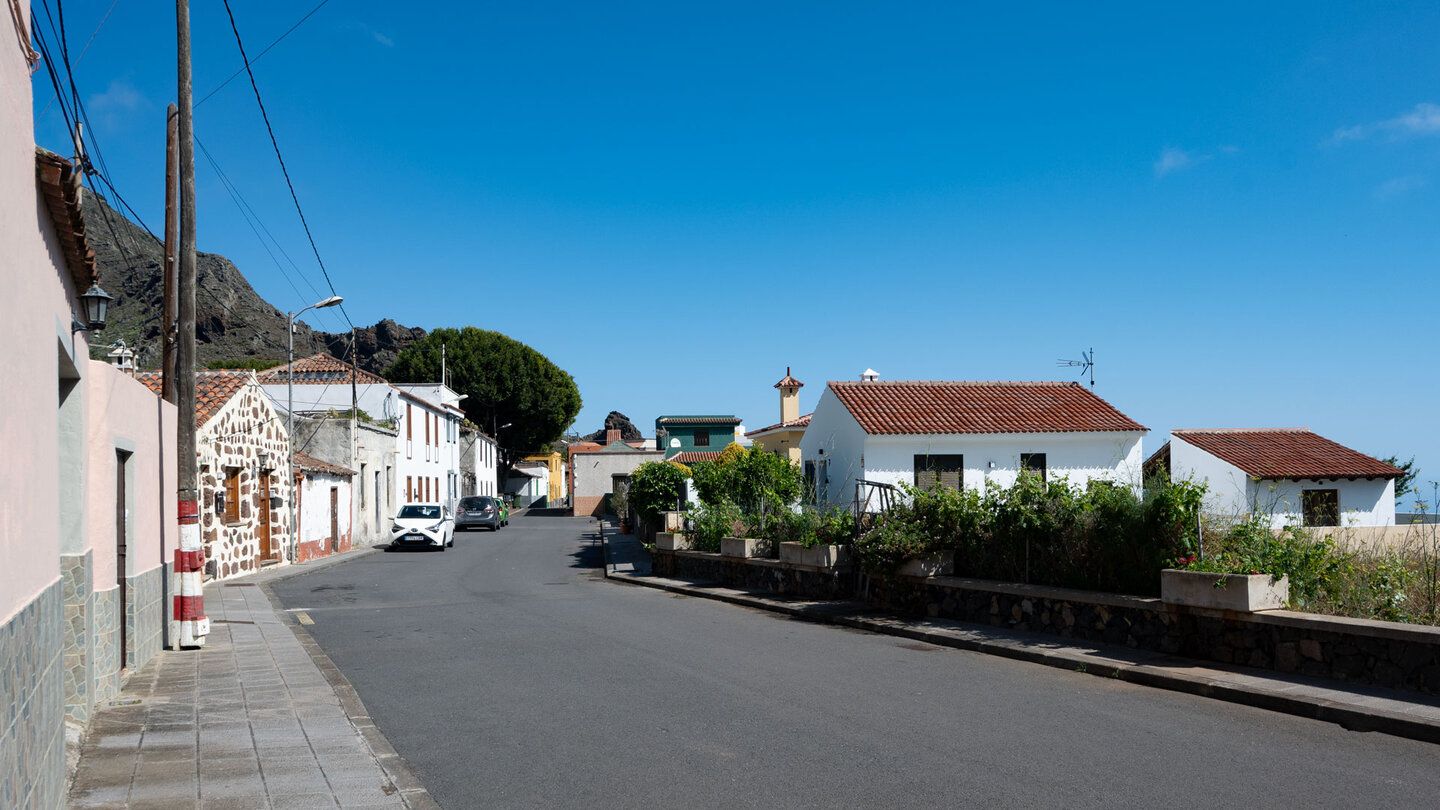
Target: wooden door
[121, 543]
[266, 551]
[334, 519]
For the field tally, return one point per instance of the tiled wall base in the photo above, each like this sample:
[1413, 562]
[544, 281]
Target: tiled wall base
[32, 745]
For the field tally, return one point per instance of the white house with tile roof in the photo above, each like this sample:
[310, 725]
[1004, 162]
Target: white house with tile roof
[1296, 476]
[963, 434]
[425, 417]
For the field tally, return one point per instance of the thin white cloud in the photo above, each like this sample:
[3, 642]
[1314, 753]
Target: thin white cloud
[1174, 159]
[120, 96]
[1423, 120]
[383, 40]
[1399, 186]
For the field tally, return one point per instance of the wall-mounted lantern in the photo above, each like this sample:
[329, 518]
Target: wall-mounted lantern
[97, 305]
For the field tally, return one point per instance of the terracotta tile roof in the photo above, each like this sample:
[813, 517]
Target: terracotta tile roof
[308, 463]
[60, 185]
[923, 407]
[789, 381]
[1286, 453]
[318, 369]
[697, 420]
[212, 389]
[692, 456]
[793, 424]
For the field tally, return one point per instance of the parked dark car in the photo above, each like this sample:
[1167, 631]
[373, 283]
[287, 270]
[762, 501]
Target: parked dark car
[479, 511]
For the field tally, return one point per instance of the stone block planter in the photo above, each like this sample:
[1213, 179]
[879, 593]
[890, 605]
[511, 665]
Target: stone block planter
[826, 556]
[934, 564]
[674, 541]
[745, 547]
[1240, 592]
[673, 521]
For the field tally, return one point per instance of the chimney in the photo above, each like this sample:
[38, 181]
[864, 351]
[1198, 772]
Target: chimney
[789, 397]
[869, 375]
[612, 435]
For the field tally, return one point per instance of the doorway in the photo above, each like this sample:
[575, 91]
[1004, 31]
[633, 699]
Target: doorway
[121, 544]
[263, 513]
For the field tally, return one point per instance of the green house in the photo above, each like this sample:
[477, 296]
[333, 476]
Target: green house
[697, 437]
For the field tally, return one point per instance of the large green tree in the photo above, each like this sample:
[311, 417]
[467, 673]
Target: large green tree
[511, 390]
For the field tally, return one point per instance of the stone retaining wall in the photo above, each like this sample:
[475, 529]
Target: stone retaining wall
[32, 746]
[1356, 650]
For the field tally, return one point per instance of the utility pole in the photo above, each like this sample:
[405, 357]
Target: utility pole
[172, 249]
[190, 557]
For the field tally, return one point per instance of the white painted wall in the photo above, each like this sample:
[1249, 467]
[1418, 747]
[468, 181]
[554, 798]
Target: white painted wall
[1228, 487]
[594, 471]
[835, 438]
[1079, 457]
[315, 506]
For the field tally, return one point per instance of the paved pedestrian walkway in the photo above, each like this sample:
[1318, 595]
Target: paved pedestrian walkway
[258, 718]
[1354, 706]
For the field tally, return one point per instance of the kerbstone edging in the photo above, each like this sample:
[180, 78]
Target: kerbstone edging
[411, 791]
[1406, 719]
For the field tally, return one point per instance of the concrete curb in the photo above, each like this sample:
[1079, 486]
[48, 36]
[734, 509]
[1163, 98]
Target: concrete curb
[411, 791]
[1233, 685]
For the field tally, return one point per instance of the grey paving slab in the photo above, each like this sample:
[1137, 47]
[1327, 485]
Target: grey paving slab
[252, 720]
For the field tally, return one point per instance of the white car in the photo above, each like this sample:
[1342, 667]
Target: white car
[422, 525]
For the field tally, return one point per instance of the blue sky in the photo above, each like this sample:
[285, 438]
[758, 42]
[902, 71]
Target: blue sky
[1234, 204]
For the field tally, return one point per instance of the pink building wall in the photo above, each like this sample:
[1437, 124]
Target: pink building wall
[125, 415]
[35, 314]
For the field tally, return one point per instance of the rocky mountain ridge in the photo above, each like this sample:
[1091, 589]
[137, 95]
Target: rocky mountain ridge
[233, 325]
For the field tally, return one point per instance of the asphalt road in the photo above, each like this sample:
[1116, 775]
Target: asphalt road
[509, 674]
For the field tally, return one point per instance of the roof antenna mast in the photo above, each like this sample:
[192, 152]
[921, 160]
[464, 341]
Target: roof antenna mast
[1086, 365]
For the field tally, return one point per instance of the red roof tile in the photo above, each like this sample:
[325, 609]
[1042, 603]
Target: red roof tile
[212, 389]
[924, 407]
[318, 369]
[794, 424]
[60, 186]
[692, 456]
[1286, 453]
[308, 463]
[697, 420]
[789, 381]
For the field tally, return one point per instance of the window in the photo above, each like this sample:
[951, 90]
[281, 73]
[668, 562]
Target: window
[409, 433]
[702, 437]
[1321, 507]
[232, 494]
[409, 488]
[941, 470]
[1033, 462]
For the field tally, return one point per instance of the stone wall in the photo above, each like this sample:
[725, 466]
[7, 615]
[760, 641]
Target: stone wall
[145, 615]
[1356, 650]
[32, 683]
[235, 437]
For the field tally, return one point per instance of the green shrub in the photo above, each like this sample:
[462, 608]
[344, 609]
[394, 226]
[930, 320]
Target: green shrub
[753, 479]
[710, 524]
[655, 487]
[893, 539]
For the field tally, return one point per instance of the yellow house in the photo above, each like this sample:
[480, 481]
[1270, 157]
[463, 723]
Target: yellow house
[783, 437]
[553, 461]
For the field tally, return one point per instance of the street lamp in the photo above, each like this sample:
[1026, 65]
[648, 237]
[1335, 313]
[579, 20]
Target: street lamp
[290, 410]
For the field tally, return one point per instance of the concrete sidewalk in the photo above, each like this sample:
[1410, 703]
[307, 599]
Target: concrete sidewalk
[258, 718]
[1356, 707]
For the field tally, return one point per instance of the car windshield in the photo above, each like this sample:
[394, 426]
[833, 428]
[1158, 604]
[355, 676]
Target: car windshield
[419, 511]
[475, 503]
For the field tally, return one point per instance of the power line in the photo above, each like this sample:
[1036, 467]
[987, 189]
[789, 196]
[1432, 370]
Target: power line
[258, 56]
[283, 170]
[84, 51]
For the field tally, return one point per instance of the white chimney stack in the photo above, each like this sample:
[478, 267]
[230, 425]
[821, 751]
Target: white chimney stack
[870, 375]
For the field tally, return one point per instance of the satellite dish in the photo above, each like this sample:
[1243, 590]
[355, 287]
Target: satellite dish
[674, 442]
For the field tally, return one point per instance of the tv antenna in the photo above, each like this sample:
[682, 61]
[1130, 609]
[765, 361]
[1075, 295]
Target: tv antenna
[1086, 366]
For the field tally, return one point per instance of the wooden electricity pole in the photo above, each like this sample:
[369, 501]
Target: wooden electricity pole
[190, 558]
[172, 250]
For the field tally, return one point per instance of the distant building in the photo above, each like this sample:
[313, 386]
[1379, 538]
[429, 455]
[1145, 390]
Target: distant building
[599, 472]
[1295, 476]
[783, 437]
[698, 437]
